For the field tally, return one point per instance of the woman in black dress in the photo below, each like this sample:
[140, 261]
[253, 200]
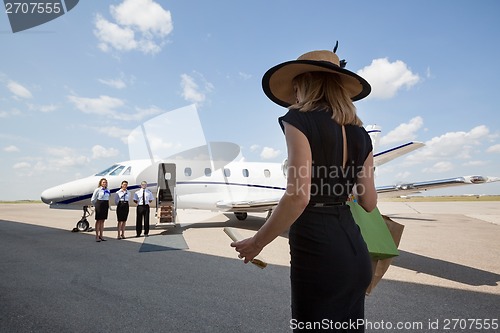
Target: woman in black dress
[329, 158]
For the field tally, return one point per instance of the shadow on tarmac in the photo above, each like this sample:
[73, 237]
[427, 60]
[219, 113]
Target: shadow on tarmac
[445, 269]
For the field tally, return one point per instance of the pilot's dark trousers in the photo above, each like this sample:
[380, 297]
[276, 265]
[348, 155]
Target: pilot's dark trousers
[142, 214]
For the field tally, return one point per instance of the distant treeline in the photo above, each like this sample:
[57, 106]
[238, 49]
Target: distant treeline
[20, 201]
[445, 198]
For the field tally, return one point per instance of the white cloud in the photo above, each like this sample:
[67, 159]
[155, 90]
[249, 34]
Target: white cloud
[139, 25]
[404, 132]
[159, 145]
[112, 108]
[114, 132]
[59, 158]
[18, 90]
[191, 92]
[403, 175]
[101, 152]
[428, 73]
[145, 15]
[68, 161]
[245, 76]
[442, 166]
[388, 78]
[11, 149]
[111, 35]
[493, 149]
[11, 113]
[59, 151]
[141, 113]
[47, 108]
[451, 145]
[43, 108]
[476, 163]
[254, 147]
[114, 83]
[21, 165]
[104, 105]
[269, 153]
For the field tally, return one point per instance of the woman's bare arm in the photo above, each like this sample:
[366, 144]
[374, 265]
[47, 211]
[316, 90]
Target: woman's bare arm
[293, 202]
[365, 186]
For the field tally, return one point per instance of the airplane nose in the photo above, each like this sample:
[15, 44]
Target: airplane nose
[48, 196]
[45, 198]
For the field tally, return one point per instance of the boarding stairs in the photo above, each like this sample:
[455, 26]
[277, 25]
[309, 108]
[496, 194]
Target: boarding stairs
[166, 196]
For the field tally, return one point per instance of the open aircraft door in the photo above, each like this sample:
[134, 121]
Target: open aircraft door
[166, 196]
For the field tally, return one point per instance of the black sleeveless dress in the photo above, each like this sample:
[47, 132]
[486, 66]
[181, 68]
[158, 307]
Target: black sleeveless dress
[330, 264]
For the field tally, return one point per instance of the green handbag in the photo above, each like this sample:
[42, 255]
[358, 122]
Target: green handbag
[374, 231]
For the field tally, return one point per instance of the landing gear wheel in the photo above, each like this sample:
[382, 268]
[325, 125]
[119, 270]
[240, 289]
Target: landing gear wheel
[82, 225]
[241, 215]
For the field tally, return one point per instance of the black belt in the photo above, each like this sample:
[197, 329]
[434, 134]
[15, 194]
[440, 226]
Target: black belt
[122, 202]
[325, 204]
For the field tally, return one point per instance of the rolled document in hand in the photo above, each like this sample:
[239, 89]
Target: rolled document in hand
[235, 236]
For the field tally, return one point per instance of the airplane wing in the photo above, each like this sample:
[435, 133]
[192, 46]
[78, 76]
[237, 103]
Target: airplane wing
[390, 154]
[410, 188]
[264, 205]
[249, 206]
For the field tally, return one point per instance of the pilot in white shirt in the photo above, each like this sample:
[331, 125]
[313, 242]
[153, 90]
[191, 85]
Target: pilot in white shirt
[142, 198]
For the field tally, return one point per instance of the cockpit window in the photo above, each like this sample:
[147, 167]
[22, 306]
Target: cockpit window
[108, 170]
[117, 170]
[127, 171]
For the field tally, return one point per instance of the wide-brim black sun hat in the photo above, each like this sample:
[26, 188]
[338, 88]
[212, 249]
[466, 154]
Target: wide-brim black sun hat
[277, 81]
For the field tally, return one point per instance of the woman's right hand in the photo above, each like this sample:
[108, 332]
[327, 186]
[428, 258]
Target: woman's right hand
[247, 248]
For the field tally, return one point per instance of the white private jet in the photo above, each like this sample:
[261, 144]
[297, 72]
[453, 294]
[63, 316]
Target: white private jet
[207, 176]
[185, 181]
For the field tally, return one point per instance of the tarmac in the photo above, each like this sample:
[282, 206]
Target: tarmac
[188, 278]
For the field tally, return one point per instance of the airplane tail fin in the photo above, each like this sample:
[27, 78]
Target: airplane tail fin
[374, 132]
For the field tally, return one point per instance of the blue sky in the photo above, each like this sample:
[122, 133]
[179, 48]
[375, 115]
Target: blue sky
[72, 89]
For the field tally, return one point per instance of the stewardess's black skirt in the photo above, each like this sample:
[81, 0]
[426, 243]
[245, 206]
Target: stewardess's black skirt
[122, 211]
[330, 268]
[101, 209]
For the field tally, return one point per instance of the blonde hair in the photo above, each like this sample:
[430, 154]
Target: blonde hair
[321, 89]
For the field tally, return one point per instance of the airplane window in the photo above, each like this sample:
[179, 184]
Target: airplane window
[105, 172]
[188, 172]
[117, 170]
[127, 171]
[227, 173]
[208, 172]
[245, 173]
[267, 173]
